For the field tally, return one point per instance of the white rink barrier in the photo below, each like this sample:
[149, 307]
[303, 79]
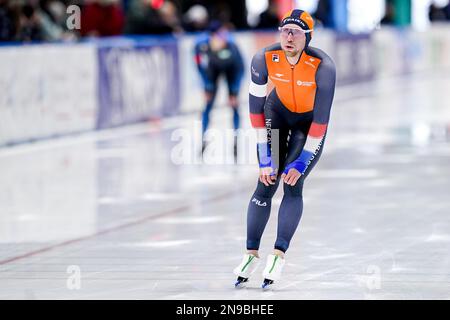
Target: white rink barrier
[46, 91]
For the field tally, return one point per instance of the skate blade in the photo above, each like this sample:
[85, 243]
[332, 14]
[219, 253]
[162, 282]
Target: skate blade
[267, 285]
[240, 283]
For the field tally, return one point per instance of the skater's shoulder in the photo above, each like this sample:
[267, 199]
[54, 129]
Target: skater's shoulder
[262, 52]
[326, 60]
[202, 41]
[273, 47]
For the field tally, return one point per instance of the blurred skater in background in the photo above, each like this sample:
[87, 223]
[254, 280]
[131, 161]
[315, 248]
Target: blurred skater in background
[216, 54]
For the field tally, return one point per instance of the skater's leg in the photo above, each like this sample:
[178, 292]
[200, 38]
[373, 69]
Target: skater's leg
[234, 103]
[260, 203]
[290, 211]
[258, 213]
[291, 207]
[236, 121]
[210, 97]
[234, 78]
[289, 215]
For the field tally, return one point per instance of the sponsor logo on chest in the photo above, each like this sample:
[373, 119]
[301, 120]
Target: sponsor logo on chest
[305, 83]
[310, 64]
[279, 79]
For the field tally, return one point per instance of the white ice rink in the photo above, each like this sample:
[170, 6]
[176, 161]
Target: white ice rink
[112, 208]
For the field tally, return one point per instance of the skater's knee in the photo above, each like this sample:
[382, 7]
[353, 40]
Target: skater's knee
[210, 95]
[295, 190]
[263, 191]
[233, 101]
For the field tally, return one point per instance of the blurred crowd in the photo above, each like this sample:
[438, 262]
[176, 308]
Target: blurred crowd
[437, 13]
[40, 20]
[46, 20]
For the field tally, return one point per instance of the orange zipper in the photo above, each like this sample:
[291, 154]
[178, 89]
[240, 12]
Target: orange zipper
[293, 88]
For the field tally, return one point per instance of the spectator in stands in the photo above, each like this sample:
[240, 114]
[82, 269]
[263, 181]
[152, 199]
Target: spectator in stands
[196, 19]
[439, 13]
[269, 18]
[145, 18]
[52, 18]
[102, 18]
[389, 15]
[170, 16]
[8, 21]
[323, 14]
[29, 25]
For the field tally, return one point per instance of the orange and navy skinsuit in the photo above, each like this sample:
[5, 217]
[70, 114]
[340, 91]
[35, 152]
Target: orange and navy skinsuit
[291, 123]
[306, 88]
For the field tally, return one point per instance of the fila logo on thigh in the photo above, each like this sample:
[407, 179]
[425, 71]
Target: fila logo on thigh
[259, 203]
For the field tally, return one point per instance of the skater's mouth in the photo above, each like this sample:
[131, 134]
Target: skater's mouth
[289, 47]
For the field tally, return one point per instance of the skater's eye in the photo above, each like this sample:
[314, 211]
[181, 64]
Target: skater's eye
[295, 32]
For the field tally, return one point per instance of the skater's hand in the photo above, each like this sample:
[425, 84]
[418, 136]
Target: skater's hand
[291, 177]
[233, 100]
[267, 176]
[208, 96]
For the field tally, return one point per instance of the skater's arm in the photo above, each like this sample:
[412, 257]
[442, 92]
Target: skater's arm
[201, 61]
[258, 90]
[325, 80]
[257, 99]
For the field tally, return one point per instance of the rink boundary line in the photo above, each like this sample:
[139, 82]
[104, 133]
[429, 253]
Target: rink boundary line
[70, 139]
[149, 127]
[115, 228]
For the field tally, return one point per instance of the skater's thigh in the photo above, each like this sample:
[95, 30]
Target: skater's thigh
[212, 76]
[272, 114]
[277, 130]
[264, 191]
[296, 144]
[233, 81]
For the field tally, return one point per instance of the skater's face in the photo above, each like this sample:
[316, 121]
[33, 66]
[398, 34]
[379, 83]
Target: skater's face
[218, 41]
[292, 39]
